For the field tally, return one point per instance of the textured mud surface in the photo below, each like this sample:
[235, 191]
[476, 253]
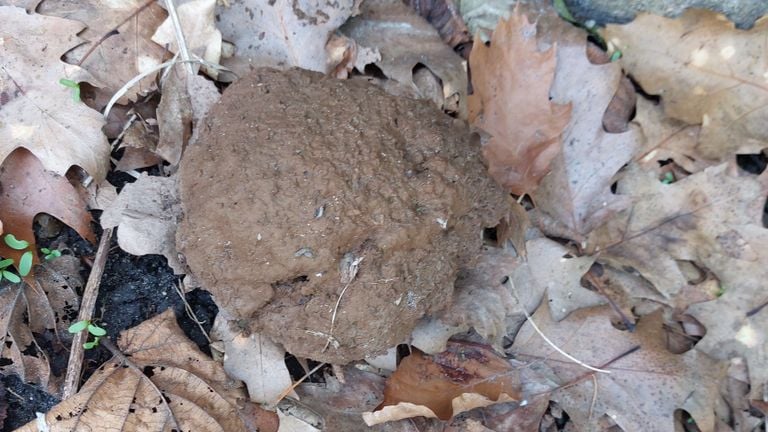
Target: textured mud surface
[302, 186]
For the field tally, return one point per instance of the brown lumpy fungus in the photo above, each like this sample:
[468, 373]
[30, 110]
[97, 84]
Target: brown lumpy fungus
[302, 186]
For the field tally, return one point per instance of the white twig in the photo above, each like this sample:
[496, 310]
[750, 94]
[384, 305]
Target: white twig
[513, 290]
[180, 40]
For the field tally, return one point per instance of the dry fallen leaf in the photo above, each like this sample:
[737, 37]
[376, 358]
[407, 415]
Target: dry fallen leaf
[404, 47]
[667, 139]
[507, 76]
[280, 33]
[736, 321]
[577, 193]
[146, 212]
[463, 377]
[706, 71]
[552, 268]
[39, 113]
[259, 363]
[121, 56]
[644, 387]
[202, 37]
[169, 384]
[687, 220]
[28, 190]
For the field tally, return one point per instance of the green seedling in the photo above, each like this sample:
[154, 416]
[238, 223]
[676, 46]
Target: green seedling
[50, 254]
[94, 330]
[668, 178]
[25, 264]
[74, 86]
[15, 243]
[616, 55]
[720, 291]
[10, 276]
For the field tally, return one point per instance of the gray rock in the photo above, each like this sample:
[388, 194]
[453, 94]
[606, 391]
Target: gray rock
[742, 12]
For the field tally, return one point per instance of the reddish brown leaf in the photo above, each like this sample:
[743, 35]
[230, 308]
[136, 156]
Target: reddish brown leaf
[511, 80]
[463, 377]
[26, 190]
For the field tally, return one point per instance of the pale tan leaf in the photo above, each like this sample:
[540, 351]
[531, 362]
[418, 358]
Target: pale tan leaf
[405, 46]
[577, 191]
[509, 75]
[280, 33]
[667, 139]
[37, 112]
[707, 72]
[169, 385]
[644, 387]
[555, 270]
[200, 33]
[121, 56]
[260, 364]
[146, 212]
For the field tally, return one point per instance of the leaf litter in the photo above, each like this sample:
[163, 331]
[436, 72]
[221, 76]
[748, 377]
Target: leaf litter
[640, 232]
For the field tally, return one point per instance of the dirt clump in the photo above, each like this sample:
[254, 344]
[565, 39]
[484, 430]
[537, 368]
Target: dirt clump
[304, 186]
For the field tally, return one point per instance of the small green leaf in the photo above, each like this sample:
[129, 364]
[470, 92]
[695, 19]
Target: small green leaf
[68, 83]
[25, 263]
[13, 243]
[616, 55]
[11, 276]
[96, 330]
[45, 251]
[5, 263]
[562, 10]
[668, 178]
[79, 326]
[92, 344]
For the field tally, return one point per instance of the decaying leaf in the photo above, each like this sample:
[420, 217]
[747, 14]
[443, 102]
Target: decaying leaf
[509, 75]
[463, 377]
[406, 47]
[707, 72]
[168, 384]
[146, 213]
[482, 16]
[444, 16]
[280, 33]
[644, 387]
[577, 191]
[122, 55]
[38, 113]
[49, 302]
[28, 190]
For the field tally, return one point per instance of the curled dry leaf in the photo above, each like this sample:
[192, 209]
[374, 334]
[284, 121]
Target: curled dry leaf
[463, 377]
[146, 212]
[122, 55]
[28, 190]
[405, 48]
[168, 384]
[444, 16]
[509, 75]
[37, 112]
[281, 33]
[577, 192]
[709, 73]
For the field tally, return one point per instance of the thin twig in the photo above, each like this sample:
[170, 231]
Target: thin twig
[75, 364]
[513, 290]
[190, 312]
[180, 40]
[290, 388]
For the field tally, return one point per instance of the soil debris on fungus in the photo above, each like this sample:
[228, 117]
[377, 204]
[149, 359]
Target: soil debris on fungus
[302, 187]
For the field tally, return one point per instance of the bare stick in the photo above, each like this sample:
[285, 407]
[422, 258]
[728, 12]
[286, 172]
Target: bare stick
[75, 365]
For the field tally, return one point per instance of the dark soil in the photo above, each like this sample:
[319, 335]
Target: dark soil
[132, 290]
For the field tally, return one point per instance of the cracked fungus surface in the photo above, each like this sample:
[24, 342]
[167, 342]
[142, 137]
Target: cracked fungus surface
[302, 185]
